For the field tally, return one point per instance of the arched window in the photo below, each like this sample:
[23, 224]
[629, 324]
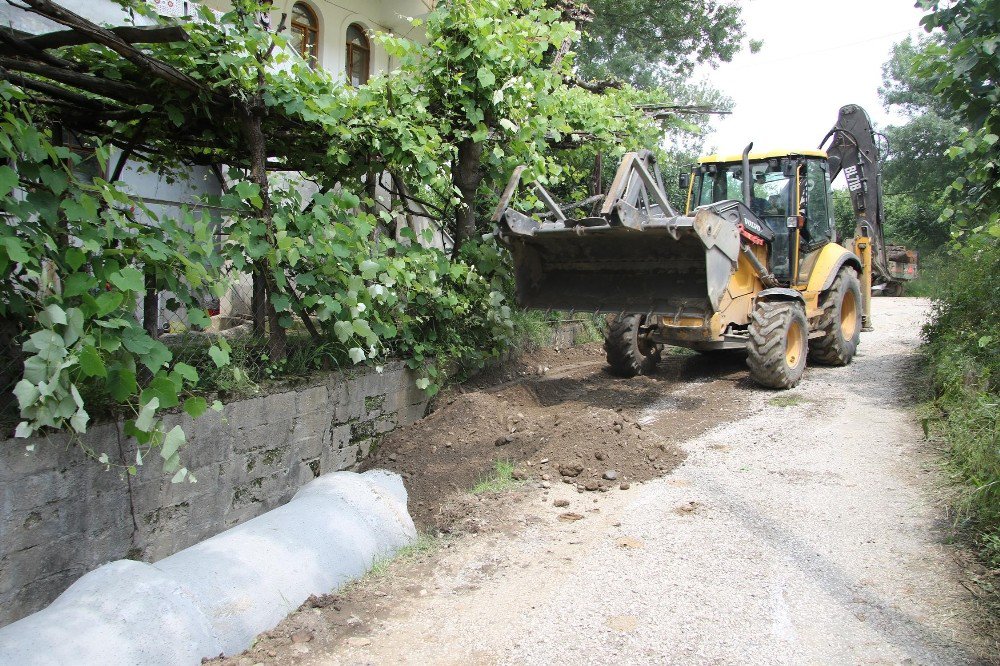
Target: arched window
[305, 32]
[358, 55]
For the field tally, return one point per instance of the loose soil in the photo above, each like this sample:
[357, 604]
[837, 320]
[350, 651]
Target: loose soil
[557, 416]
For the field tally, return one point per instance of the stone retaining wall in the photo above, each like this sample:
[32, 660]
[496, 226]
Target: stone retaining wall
[62, 515]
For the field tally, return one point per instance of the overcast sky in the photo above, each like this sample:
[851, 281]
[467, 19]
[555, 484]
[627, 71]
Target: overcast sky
[818, 55]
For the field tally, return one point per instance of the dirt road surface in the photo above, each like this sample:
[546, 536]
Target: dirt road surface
[796, 527]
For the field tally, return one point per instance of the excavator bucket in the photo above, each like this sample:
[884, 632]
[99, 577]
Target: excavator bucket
[636, 256]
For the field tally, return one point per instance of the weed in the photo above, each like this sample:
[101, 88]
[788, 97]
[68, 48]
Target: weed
[501, 478]
[531, 331]
[786, 401]
[424, 545]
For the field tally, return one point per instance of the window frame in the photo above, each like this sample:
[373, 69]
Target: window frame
[352, 48]
[303, 32]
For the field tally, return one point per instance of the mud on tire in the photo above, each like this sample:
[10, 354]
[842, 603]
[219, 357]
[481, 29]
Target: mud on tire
[628, 355]
[840, 321]
[776, 353]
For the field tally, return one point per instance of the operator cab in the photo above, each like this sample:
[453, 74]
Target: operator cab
[790, 192]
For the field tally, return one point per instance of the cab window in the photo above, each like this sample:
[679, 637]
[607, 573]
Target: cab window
[816, 205]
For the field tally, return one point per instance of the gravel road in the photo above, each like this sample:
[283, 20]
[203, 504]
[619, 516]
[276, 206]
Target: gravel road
[809, 529]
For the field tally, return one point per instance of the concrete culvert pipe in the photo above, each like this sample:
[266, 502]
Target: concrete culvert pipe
[214, 597]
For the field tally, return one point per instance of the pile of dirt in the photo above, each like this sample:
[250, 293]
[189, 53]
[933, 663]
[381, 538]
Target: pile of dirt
[556, 416]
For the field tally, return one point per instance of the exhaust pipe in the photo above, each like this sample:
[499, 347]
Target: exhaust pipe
[747, 188]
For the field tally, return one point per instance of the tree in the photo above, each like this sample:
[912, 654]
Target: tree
[916, 170]
[655, 42]
[964, 68]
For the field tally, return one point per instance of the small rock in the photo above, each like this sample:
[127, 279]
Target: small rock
[302, 636]
[625, 485]
[605, 489]
[543, 460]
[447, 445]
[571, 469]
[611, 475]
[592, 485]
[353, 621]
[618, 427]
[599, 455]
[519, 475]
[546, 477]
[546, 484]
[561, 502]
[570, 517]
[505, 439]
[299, 648]
[357, 641]
[393, 457]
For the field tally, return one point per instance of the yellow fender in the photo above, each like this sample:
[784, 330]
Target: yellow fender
[831, 258]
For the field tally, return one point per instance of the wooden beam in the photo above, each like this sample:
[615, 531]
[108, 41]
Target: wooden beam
[117, 90]
[152, 34]
[56, 92]
[105, 37]
[14, 45]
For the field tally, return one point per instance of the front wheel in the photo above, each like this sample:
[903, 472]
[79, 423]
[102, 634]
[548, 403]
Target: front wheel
[840, 322]
[776, 353]
[629, 350]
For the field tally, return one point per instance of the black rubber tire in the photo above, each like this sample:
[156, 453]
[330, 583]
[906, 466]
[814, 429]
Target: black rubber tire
[838, 346]
[770, 325]
[627, 355]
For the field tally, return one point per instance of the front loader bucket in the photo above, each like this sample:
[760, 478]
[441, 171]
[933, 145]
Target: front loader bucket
[661, 269]
[637, 255]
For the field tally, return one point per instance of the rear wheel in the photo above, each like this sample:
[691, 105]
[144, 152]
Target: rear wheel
[840, 322]
[629, 350]
[893, 289]
[779, 334]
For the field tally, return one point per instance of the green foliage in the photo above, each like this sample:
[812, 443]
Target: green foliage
[962, 338]
[964, 68]
[650, 43]
[72, 302]
[963, 345]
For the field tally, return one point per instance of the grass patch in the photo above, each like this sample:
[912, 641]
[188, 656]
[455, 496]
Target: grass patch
[424, 545]
[500, 479]
[786, 401]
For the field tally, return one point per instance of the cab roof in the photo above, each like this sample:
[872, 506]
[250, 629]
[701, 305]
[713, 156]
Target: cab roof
[755, 156]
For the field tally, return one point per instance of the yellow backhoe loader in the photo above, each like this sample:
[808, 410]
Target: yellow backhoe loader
[753, 262]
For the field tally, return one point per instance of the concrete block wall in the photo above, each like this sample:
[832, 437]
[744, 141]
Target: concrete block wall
[62, 515]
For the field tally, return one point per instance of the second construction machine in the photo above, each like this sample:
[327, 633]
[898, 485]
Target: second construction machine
[752, 263]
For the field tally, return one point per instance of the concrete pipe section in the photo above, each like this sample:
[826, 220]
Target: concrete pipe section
[214, 597]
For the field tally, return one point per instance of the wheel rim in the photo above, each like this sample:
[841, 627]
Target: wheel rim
[793, 345]
[849, 315]
[643, 343]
